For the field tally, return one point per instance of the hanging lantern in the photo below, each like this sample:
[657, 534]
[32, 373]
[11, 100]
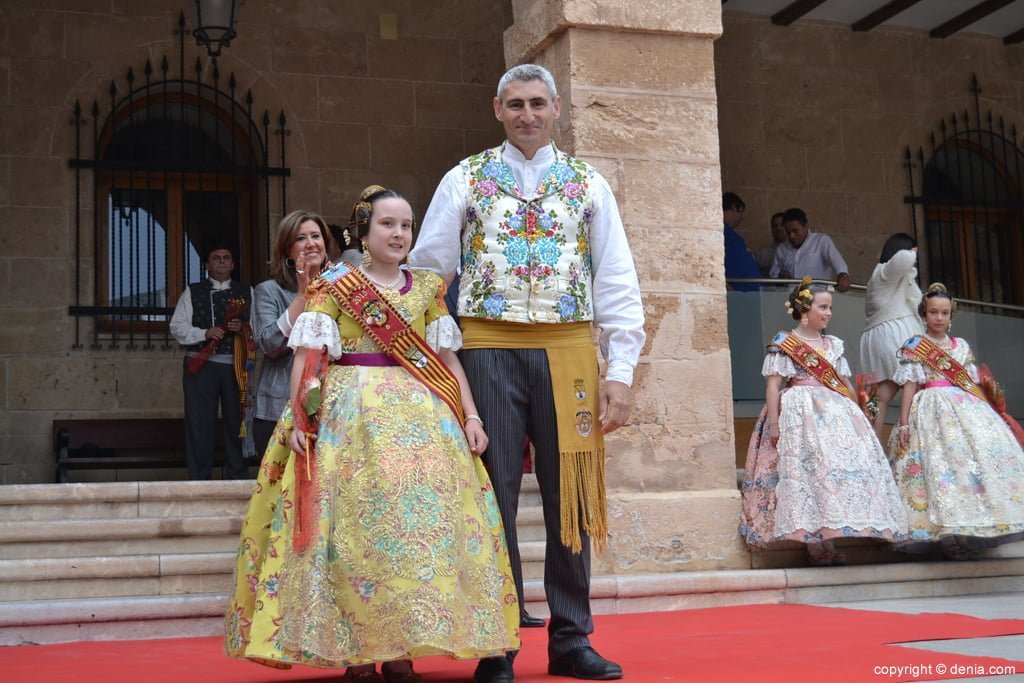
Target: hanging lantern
[214, 23]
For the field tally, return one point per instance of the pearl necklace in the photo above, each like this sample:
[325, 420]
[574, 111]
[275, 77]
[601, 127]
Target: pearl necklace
[941, 343]
[392, 285]
[818, 338]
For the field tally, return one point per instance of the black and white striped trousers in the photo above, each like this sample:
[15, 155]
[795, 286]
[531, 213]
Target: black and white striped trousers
[512, 390]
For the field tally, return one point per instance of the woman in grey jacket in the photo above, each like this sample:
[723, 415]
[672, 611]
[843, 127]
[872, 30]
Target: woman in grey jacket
[299, 254]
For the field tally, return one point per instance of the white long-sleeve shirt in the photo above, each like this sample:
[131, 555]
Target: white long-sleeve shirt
[618, 310]
[181, 326]
[817, 257]
[892, 290]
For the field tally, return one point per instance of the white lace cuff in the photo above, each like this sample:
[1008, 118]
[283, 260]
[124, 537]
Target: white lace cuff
[910, 371]
[313, 330]
[443, 333]
[778, 364]
[842, 367]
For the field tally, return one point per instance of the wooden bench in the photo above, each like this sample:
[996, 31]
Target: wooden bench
[122, 443]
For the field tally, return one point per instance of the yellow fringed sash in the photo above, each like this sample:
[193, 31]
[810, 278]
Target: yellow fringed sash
[574, 384]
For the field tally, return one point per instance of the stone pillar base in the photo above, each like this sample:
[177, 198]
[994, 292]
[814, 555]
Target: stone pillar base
[671, 532]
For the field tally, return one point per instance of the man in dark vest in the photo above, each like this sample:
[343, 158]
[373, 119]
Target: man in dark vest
[211, 321]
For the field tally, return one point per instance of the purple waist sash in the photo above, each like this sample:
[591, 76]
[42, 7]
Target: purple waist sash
[373, 360]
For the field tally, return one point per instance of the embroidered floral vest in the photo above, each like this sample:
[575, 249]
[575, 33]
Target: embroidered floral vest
[526, 259]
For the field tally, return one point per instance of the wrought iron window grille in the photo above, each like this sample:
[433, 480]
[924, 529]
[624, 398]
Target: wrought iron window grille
[968, 216]
[176, 164]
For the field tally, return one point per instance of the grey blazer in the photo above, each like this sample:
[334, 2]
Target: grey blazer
[270, 301]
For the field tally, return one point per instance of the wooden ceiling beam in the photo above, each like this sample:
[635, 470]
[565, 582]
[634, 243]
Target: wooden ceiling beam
[882, 14]
[965, 19]
[793, 11]
[1015, 37]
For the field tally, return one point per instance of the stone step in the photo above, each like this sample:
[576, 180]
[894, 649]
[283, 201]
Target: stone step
[178, 615]
[126, 575]
[122, 500]
[60, 621]
[159, 545]
[196, 572]
[140, 535]
[20, 531]
[94, 576]
[70, 531]
[210, 542]
[129, 500]
[143, 518]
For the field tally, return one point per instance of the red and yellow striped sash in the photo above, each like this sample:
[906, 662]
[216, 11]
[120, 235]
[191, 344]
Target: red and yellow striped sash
[385, 325]
[929, 353]
[815, 364]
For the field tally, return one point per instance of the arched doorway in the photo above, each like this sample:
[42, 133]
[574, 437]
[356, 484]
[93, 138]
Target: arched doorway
[170, 193]
[972, 185]
[972, 217]
[179, 165]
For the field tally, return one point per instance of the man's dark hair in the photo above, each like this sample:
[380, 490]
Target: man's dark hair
[731, 200]
[897, 242]
[217, 246]
[777, 214]
[795, 214]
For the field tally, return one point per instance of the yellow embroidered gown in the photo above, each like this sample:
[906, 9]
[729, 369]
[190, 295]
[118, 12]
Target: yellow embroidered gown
[409, 556]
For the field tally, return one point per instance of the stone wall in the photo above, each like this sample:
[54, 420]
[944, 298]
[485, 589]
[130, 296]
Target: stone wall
[362, 108]
[818, 116]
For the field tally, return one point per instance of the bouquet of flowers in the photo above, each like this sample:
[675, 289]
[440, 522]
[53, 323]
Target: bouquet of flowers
[867, 396]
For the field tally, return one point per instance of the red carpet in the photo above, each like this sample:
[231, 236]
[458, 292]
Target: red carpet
[793, 643]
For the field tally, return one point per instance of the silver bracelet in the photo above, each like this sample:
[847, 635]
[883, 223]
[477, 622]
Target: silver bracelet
[475, 417]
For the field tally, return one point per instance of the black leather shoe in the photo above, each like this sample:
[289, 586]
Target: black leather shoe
[585, 663]
[494, 670]
[527, 620]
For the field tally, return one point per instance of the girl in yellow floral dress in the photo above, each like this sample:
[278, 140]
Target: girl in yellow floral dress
[373, 534]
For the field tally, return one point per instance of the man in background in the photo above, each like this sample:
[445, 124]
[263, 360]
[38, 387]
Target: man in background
[739, 262]
[808, 253]
[765, 256]
[208, 318]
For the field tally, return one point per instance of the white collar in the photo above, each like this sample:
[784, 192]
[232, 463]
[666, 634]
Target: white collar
[219, 285]
[545, 155]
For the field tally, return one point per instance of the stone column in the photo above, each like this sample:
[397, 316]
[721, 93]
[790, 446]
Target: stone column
[637, 84]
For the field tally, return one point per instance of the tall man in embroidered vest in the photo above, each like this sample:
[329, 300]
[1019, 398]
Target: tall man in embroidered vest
[210, 315]
[544, 256]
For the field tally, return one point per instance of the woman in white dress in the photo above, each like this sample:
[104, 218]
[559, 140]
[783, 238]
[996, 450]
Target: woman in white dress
[890, 309]
[815, 470]
[959, 467]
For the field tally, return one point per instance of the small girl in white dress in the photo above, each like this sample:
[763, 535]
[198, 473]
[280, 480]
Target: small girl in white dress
[815, 470]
